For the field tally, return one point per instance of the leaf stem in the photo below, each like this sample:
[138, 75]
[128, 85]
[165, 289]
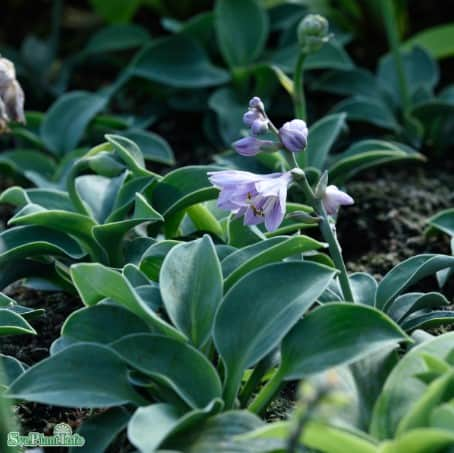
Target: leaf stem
[254, 380]
[267, 393]
[299, 100]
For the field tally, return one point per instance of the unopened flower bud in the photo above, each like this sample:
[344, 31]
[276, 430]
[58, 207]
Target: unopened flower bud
[293, 135]
[334, 199]
[259, 126]
[250, 116]
[313, 32]
[256, 103]
[251, 146]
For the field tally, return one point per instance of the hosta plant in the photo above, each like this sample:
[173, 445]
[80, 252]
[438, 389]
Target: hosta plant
[186, 355]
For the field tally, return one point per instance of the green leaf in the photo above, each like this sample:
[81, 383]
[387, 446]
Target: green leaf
[368, 110]
[152, 258]
[242, 30]
[364, 288]
[83, 375]
[174, 364]
[66, 121]
[350, 332]
[443, 417]
[443, 221]
[12, 369]
[406, 304]
[153, 147]
[322, 136]
[86, 324]
[100, 430]
[403, 387]
[438, 41]
[12, 323]
[117, 37]
[243, 340]
[30, 241]
[96, 282]
[245, 260]
[151, 425]
[23, 161]
[191, 288]
[432, 319]
[116, 11]
[408, 273]
[421, 440]
[182, 188]
[179, 62]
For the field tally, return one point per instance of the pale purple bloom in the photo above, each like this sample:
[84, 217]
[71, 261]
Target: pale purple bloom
[293, 135]
[259, 198]
[250, 116]
[255, 117]
[256, 103]
[334, 198]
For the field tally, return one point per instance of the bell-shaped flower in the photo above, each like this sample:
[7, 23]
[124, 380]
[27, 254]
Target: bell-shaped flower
[334, 198]
[293, 135]
[257, 198]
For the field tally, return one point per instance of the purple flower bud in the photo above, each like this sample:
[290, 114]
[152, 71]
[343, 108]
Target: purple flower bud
[256, 103]
[250, 116]
[250, 146]
[293, 135]
[259, 126]
[259, 198]
[334, 198]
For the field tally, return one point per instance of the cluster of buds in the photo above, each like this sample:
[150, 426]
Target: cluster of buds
[262, 198]
[313, 32]
[11, 96]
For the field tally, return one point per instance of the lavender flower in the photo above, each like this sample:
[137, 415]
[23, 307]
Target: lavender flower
[250, 146]
[334, 198]
[293, 135]
[259, 198]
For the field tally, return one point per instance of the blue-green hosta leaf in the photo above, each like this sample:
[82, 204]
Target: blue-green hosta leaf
[67, 119]
[174, 364]
[369, 153]
[408, 273]
[364, 288]
[322, 136]
[443, 221]
[152, 258]
[243, 340]
[14, 324]
[438, 41]
[151, 425]
[421, 71]
[242, 30]
[406, 304]
[179, 62]
[96, 282]
[403, 387]
[246, 259]
[22, 161]
[336, 334]
[87, 324]
[182, 188]
[83, 375]
[46, 198]
[117, 37]
[153, 147]
[129, 153]
[435, 318]
[100, 430]
[12, 369]
[368, 110]
[29, 241]
[191, 288]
